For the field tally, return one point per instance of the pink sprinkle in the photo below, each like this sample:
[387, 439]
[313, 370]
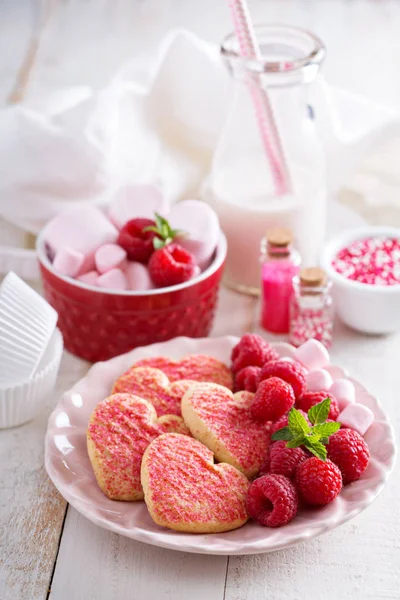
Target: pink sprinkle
[229, 419]
[196, 367]
[310, 323]
[373, 260]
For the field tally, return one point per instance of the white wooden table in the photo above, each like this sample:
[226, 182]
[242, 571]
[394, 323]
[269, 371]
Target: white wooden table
[47, 550]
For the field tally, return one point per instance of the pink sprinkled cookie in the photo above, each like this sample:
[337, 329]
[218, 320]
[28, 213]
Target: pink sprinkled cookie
[223, 422]
[184, 490]
[119, 431]
[153, 385]
[197, 367]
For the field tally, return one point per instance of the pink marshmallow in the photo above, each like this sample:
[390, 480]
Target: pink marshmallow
[90, 278]
[318, 381]
[196, 271]
[344, 392]
[200, 223]
[113, 280]
[109, 256]
[312, 354]
[83, 230]
[138, 276]
[68, 261]
[356, 416]
[133, 201]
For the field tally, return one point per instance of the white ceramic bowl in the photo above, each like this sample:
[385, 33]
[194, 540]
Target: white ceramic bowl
[373, 309]
[23, 401]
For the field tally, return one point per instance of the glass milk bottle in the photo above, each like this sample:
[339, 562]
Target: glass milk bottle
[240, 187]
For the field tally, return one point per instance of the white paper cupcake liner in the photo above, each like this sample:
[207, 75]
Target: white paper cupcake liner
[23, 402]
[27, 323]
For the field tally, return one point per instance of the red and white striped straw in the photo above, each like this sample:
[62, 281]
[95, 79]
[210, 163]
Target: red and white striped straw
[269, 133]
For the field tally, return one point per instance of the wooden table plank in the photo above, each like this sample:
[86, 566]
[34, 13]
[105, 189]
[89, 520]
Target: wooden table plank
[31, 514]
[31, 510]
[44, 11]
[104, 566]
[356, 561]
[235, 313]
[17, 23]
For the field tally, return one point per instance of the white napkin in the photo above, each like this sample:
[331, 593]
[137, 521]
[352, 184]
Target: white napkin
[78, 146]
[82, 145]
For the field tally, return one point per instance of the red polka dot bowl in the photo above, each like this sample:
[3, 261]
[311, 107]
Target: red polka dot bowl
[100, 324]
[366, 307]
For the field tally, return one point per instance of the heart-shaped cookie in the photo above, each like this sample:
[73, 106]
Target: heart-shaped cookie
[119, 431]
[184, 490]
[197, 367]
[223, 422]
[153, 385]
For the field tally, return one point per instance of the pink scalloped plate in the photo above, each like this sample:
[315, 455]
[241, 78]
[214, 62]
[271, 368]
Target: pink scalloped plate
[68, 465]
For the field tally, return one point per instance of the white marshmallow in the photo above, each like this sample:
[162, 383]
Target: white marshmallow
[68, 261]
[109, 256]
[81, 229]
[138, 276]
[356, 416]
[90, 278]
[318, 380]
[344, 392]
[312, 354]
[200, 223]
[113, 280]
[132, 201]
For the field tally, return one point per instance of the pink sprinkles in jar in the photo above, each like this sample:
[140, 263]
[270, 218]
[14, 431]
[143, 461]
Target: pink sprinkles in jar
[373, 260]
[311, 309]
[310, 324]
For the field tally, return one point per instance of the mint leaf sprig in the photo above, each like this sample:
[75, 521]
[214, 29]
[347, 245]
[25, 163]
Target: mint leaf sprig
[164, 232]
[315, 437]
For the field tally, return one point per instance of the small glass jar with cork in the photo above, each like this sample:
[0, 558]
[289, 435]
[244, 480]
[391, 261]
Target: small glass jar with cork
[280, 262]
[311, 308]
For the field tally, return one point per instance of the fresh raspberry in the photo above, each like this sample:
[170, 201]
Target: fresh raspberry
[318, 482]
[309, 399]
[251, 351]
[247, 379]
[292, 372]
[171, 265]
[272, 500]
[137, 243]
[349, 451]
[273, 399]
[284, 422]
[282, 460]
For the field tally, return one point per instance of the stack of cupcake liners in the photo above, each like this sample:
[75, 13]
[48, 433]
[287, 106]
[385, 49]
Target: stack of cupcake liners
[30, 351]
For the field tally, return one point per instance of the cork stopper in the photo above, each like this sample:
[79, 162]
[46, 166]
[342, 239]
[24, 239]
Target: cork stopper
[313, 277]
[279, 238]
